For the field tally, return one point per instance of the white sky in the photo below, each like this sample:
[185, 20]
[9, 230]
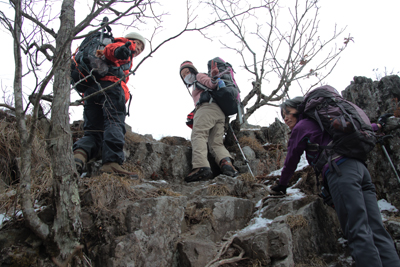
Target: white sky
[161, 102]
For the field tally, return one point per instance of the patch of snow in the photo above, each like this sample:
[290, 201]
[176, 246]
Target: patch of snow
[256, 223]
[294, 193]
[158, 182]
[250, 129]
[348, 260]
[259, 203]
[3, 218]
[384, 205]
[342, 242]
[300, 166]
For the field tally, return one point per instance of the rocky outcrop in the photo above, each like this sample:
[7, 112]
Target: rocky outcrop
[376, 99]
[159, 220]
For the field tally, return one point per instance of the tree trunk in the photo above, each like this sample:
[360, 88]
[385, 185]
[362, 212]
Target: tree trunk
[67, 224]
[31, 219]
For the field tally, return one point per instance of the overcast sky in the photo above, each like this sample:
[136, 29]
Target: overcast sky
[161, 102]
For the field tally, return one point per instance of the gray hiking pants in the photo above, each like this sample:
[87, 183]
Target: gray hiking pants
[355, 202]
[208, 128]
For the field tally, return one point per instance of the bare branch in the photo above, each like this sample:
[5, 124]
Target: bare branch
[281, 51]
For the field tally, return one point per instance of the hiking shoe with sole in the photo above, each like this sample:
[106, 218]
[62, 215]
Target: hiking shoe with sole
[199, 174]
[227, 168]
[115, 168]
[80, 158]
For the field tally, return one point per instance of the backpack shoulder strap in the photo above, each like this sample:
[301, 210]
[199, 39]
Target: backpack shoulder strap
[201, 86]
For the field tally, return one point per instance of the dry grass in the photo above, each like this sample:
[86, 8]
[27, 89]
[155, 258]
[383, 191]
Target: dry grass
[255, 263]
[247, 178]
[107, 189]
[9, 150]
[165, 192]
[41, 173]
[395, 107]
[217, 190]
[175, 141]
[296, 221]
[394, 218]
[252, 143]
[131, 167]
[194, 215]
[131, 137]
[314, 261]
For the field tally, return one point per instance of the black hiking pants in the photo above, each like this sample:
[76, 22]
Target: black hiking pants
[354, 197]
[104, 124]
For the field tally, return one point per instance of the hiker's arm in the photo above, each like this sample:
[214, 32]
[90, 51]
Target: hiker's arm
[109, 52]
[206, 80]
[296, 148]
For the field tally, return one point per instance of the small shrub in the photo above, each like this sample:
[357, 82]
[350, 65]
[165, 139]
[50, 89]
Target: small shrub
[195, 216]
[131, 137]
[296, 221]
[252, 143]
[313, 261]
[217, 190]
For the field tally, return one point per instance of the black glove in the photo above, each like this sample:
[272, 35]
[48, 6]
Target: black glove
[382, 119]
[123, 52]
[279, 189]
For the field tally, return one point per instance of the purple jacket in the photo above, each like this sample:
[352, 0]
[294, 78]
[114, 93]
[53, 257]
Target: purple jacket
[306, 130]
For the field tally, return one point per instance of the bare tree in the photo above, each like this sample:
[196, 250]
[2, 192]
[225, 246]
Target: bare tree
[278, 50]
[42, 44]
[42, 58]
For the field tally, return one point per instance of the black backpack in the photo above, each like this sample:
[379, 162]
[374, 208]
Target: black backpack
[347, 124]
[227, 97]
[85, 62]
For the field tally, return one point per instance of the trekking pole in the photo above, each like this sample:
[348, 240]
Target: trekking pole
[237, 142]
[380, 141]
[105, 20]
[240, 113]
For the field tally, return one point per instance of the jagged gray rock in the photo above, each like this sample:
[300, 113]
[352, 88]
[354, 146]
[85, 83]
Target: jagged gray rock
[163, 221]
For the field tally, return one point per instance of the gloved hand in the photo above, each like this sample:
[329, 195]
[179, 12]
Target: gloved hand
[383, 119]
[123, 52]
[214, 69]
[278, 190]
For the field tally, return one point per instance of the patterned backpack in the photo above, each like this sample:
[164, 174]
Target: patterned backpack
[347, 124]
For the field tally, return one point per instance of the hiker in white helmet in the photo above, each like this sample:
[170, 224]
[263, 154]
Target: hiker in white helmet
[104, 114]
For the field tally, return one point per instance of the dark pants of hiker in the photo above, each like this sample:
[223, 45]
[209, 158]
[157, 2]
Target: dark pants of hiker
[354, 197]
[104, 124]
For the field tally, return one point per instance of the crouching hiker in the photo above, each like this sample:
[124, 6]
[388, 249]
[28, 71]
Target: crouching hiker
[350, 186]
[104, 114]
[208, 126]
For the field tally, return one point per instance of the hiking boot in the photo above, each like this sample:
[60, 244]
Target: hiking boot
[227, 168]
[199, 174]
[80, 158]
[115, 168]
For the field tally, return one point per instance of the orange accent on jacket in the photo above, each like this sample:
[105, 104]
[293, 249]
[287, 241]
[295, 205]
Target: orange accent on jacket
[109, 54]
